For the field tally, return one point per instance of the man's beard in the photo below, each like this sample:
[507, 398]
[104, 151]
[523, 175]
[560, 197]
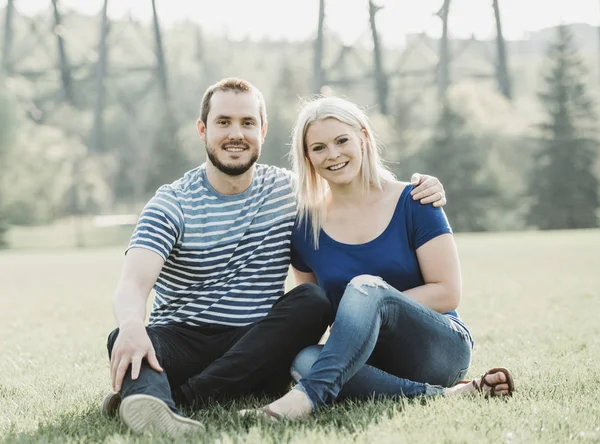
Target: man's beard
[231, 170]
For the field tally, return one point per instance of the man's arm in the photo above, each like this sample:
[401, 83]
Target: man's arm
[428, 190]
[140, 271]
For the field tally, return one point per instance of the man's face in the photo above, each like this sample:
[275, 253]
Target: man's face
[233, 135]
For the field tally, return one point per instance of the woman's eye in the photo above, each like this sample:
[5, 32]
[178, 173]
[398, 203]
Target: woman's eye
[342, 141]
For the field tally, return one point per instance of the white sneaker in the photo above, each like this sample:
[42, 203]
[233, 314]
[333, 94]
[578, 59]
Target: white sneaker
[144, 412]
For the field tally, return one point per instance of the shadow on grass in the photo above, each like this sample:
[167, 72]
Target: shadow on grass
[88, 425]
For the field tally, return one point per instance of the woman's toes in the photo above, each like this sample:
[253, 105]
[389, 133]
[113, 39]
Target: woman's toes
[501, 388]
[495, 378]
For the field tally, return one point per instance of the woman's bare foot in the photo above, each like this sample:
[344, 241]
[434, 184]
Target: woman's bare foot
[496, 382]
[293, 405]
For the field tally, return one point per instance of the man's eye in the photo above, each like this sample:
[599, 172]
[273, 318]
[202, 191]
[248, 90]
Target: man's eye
[249, 123]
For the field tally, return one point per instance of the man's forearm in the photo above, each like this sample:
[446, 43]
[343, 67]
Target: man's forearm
[129, 305]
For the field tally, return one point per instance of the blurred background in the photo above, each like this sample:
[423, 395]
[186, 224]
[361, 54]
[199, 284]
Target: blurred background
[99, 98]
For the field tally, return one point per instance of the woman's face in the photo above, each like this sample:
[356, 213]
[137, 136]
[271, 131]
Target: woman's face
[335, 151]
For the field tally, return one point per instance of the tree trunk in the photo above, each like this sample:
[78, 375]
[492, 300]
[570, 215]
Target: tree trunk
[98, 134]
[67, 83]
[7, 43]
[381, 80]
[160, 58]
[502, 65]
[444, 62]
[65, 67]
[318, 74]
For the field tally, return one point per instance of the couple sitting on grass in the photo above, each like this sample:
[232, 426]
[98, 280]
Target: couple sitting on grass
[371, 256]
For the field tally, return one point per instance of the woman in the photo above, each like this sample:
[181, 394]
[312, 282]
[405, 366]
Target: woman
[388, 265]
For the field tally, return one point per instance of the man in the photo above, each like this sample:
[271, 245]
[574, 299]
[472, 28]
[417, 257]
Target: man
[215, 246]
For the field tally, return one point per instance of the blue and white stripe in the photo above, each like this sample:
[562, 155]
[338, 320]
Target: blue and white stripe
[226, 257]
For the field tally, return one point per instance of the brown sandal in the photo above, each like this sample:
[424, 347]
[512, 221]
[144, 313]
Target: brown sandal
[509, 381]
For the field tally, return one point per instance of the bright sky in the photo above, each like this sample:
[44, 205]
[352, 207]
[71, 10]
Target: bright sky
[297, 19]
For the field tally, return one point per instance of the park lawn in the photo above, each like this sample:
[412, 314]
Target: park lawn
[532, 301]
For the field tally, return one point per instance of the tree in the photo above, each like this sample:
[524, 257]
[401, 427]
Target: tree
[443, 72]
[318, 72]
[282, 113]
[502, 76]
[6, 140]
[563, 185]
[459, 160]
[168, 161]
[381, 79]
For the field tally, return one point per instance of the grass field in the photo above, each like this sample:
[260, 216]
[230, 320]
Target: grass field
[532, 301]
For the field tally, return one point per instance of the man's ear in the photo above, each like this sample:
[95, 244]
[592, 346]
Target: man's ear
[201, 127]
[263, 131]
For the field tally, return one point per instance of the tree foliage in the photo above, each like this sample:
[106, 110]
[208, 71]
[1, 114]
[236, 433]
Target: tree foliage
[459, 160]
[564, 186]
[476, 144]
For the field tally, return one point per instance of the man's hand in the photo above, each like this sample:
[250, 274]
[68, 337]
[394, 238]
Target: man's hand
[131, 346]
[428, 189]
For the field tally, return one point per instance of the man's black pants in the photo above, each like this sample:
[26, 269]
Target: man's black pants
[218, 362]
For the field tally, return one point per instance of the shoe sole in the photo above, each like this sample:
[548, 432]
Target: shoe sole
[143, 412]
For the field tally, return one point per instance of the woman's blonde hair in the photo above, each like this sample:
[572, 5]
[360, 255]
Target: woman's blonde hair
[311, 188]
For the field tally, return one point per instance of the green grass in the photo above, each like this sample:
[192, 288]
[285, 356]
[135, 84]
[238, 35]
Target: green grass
[532, 301]
[64, 234]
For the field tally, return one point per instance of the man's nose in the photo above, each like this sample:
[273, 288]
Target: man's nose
[235, 132]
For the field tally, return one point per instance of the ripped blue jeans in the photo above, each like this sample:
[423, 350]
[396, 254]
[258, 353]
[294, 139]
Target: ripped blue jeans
[383, 343]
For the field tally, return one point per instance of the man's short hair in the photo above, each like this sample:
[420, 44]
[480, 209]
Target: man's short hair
[237, 85]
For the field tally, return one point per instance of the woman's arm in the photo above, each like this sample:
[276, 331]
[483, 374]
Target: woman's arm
[440, 266]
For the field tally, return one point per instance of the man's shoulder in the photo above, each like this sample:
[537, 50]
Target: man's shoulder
[272, 171]
[189, 182]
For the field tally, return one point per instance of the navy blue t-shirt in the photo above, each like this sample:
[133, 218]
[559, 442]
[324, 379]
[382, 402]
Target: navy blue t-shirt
[391, 256]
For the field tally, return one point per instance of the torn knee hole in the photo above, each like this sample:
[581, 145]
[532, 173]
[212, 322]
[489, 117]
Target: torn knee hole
[367, 280]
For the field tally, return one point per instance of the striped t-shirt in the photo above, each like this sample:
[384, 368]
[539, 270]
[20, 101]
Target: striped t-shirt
[226, 256]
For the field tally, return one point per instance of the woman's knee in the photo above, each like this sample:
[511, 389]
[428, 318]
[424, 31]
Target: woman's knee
[304, 361]
[365, 282]
[369, 289]
[363, 293]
